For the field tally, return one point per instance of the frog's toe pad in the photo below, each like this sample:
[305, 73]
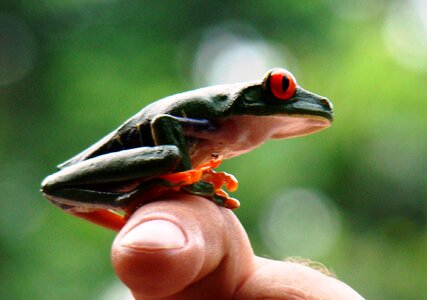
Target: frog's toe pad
[231, 203]
[222, 198]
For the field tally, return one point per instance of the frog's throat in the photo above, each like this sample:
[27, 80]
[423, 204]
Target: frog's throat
[241, 134]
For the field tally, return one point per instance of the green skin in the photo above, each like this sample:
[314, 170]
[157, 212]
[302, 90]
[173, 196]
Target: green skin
[177, 133]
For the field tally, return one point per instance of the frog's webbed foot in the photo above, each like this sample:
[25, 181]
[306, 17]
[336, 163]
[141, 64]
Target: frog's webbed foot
[206, 182]
[218, 196]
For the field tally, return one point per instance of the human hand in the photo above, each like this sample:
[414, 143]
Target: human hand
[190, 248]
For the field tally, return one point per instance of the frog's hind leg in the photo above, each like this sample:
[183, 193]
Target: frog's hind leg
[103, 217]
[112, 180]
[110, 219]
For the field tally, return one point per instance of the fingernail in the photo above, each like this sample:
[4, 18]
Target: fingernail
[155, 235]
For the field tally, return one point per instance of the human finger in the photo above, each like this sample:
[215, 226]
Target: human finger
[182, 247]
[282, 280]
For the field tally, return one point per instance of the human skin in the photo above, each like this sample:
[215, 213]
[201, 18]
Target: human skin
[185, 247]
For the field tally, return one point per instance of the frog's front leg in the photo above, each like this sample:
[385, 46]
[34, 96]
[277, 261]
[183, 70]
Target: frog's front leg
[167, 129]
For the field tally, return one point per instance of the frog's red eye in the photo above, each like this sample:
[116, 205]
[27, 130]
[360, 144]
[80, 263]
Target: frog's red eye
[282, 84]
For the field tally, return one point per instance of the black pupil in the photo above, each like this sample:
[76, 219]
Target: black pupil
[285, 83]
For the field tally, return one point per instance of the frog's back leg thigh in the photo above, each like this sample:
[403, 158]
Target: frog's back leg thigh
[79, 183]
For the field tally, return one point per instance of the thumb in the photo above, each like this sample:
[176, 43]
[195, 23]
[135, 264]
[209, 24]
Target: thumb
[189, 248]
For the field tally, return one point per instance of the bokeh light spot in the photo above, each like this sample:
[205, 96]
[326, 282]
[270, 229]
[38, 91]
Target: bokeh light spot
[405, 33]
[357, 10]
[300, 222]
[17, 49]
[236, 54]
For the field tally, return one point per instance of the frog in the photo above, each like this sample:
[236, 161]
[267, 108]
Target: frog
[175, 143]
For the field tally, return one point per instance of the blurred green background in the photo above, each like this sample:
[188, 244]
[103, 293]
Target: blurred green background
[352, 196]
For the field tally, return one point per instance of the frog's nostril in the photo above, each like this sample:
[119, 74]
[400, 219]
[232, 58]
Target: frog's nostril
[325, 102]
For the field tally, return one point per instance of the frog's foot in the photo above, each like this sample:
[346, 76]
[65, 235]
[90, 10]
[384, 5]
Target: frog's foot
[222, 198]
[205, 174]
[191, 176]
[219, 179]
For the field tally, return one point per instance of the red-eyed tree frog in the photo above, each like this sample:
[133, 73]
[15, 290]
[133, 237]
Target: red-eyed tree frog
[174, 143]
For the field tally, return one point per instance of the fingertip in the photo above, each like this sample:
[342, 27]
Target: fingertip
[152, 265]
[165, 246]
[154, 235]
